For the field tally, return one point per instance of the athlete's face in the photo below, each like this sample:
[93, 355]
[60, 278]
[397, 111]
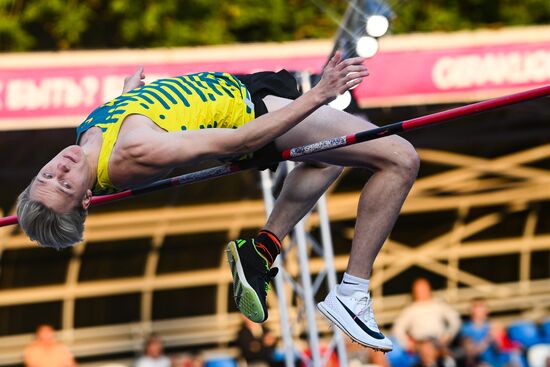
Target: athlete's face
[62, 184]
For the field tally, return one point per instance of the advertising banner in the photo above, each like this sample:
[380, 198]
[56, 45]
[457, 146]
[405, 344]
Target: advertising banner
[61, 96]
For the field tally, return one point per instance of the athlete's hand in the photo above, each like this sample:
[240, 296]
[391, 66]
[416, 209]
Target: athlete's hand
[341, 75]
[135, 80]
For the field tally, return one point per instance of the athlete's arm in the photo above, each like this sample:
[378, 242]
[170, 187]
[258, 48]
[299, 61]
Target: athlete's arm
[178, 148]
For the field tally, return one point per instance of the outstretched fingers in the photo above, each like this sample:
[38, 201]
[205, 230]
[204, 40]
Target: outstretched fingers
[341, 75]
[356, 75]
[352, 72]
[350, 62]
[336, 59]
[350, 85]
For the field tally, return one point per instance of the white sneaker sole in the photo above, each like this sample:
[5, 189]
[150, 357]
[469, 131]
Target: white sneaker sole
[244, 295]
[324, 310]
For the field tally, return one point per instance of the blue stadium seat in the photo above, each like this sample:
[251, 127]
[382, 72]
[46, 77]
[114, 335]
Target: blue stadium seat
[220, 361]
[524, 332]
[545, 328]
[399, 357]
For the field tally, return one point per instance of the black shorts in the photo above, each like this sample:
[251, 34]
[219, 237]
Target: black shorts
[280, 84]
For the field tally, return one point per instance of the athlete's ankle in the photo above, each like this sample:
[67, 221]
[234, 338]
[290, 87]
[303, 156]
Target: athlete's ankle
[268, 245]
[351, 284]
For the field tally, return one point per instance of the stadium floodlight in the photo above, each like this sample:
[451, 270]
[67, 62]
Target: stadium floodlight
[342, 101]
[366, 46]
[377, 25]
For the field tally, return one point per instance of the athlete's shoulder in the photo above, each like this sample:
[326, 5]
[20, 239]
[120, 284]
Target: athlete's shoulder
[107, 113]
[98, 115]
[212, 75]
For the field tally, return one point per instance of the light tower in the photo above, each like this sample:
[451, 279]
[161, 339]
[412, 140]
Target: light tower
[364, 22]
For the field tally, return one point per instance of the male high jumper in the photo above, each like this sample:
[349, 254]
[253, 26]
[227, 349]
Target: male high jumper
[150, 129]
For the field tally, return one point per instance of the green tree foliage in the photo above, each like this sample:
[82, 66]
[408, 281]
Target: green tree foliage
[76, 24]
[451, 15]
[80, 24]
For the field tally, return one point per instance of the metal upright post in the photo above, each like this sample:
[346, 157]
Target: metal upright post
[328, 255]
[307, 288]
[284, 319]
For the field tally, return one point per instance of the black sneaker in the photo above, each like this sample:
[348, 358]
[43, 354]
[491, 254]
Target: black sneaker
[251, 277]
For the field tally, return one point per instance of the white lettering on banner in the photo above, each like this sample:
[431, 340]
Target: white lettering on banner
[91, 87]
[477, 70]
[50, 93]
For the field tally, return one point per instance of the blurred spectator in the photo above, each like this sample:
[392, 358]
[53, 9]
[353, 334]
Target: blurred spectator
[485, 343]
[358, 355]
[153, 354]
[256, 344]
[432, 355]
[332, 361]
[475, 335]
[425, 318]
[188, 360]
[467, 355]
[502, 351]
[378, 358]
[47, 351]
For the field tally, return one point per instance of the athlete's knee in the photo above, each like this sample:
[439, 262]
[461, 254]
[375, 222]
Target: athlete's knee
[406, 159]
[400, 157]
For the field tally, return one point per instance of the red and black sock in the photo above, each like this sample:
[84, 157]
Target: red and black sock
[268, 245]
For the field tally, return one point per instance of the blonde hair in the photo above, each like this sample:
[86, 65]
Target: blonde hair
[47, 227]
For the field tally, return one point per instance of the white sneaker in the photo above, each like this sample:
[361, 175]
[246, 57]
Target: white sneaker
[354, 316]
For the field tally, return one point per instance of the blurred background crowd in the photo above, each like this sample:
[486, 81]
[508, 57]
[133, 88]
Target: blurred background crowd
[427, 333]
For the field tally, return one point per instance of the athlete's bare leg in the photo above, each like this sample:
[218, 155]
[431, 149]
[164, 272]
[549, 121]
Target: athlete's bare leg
[392, 160]
[302, 188]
